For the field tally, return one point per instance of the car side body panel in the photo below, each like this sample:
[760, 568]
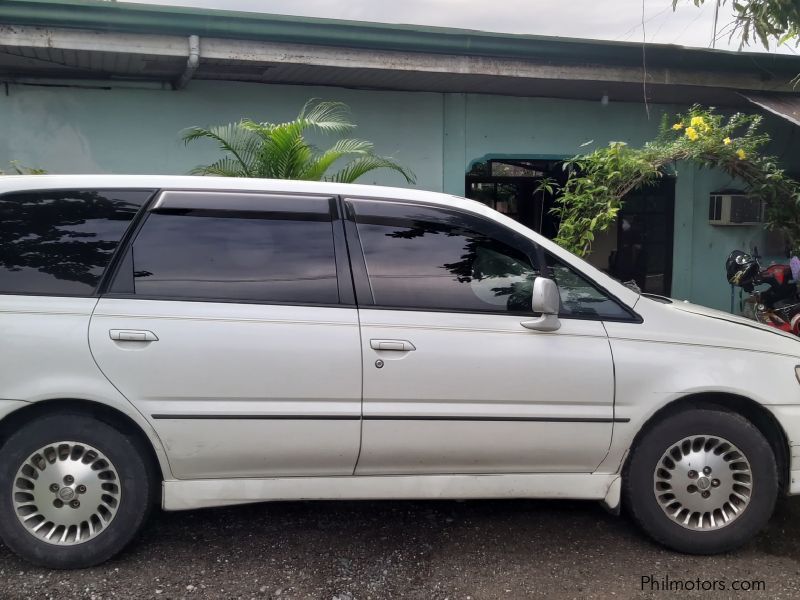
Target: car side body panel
[45, 356]
[482, 394]
[240, 390]
[675, 351]
[656, 364]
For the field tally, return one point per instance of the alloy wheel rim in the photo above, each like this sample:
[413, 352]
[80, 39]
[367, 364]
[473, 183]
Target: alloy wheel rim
[66, 493]
[703, 482]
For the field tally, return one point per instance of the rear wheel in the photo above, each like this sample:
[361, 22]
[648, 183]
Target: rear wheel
[702, 481]
[73, 491]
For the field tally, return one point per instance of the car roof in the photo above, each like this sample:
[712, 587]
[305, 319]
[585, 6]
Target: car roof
[193, 182]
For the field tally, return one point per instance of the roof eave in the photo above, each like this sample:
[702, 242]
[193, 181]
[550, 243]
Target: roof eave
[140, 18]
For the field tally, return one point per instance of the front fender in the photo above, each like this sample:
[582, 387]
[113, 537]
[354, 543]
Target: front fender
[651, 375]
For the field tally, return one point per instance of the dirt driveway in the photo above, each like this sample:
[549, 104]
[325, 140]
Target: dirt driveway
[422, 550]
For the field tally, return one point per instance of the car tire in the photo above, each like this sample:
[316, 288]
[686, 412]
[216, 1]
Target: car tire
[710, 465]
[78, 479]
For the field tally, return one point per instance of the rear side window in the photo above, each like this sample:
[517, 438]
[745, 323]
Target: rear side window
[427, 258]
[59, 242]
[279, 254]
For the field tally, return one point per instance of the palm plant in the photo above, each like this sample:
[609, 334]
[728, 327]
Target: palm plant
[280, 150]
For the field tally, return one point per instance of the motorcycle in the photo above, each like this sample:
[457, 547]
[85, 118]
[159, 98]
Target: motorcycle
[778, 305]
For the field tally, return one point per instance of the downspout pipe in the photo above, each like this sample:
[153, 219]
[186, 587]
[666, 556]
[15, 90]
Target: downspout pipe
[192, 63]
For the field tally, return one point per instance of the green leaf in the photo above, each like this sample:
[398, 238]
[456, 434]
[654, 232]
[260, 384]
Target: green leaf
[280, 150]
[363, 165]
[233, 138]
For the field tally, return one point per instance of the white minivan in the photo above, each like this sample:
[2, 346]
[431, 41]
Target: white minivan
[201, 342]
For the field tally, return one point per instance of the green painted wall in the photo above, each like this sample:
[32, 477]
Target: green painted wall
[551, 127]
[129, 130]
[136, 130]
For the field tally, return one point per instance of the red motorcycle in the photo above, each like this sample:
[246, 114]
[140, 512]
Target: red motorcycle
[777, 304]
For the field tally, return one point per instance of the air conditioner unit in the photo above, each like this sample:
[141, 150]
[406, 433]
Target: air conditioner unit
[734, 208]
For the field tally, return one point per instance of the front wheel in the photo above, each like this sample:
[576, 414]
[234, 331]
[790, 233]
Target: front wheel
[73, 491]
[702, 481]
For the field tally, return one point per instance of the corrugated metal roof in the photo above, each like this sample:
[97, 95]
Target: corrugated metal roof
[140, 18]
[785, 106]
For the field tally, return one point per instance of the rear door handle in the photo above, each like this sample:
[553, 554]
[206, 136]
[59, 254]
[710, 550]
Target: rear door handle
[392, 345]
[132, 335]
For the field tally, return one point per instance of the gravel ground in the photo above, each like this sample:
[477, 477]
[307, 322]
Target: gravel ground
[420, 550]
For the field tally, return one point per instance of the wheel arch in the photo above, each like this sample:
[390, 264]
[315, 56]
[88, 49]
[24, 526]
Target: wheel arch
[751, 410]
[103, 412]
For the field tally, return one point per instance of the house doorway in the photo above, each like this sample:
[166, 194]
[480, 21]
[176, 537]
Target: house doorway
[509, 186]
[638, 247]
[644, 238]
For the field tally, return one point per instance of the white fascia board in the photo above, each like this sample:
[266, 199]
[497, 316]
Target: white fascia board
[93, 41]
[356, 58]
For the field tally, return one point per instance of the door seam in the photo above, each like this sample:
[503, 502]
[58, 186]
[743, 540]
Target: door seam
[342, 218]
[613, 398]
[131, 404]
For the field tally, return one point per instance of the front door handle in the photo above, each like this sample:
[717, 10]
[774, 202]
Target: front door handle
[132, 335]
[392, 345]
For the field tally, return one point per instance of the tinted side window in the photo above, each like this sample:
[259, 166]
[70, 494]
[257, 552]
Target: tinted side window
[59, 242]
[422, 257]
[579, 297]
[243, 256]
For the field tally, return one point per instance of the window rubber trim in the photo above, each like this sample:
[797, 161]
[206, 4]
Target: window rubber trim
[358, 263]
[344, 275]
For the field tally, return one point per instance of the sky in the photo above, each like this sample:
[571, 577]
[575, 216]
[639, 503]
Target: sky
[619, 20]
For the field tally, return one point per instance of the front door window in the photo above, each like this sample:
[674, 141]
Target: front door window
[427, 258]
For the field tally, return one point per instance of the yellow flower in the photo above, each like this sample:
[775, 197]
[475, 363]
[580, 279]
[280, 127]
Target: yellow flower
[697, 122]
[727, 141]
[677, 126]
[741, 154]
[691, 133]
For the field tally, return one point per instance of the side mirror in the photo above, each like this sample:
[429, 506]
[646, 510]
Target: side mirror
[546, 300]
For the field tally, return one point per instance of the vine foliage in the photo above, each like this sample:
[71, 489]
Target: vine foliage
[18, 169]
[598, 181]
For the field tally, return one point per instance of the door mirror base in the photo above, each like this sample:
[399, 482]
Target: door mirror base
[543, 323]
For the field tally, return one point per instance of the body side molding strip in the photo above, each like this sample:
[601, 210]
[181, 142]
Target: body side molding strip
[244, 417]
